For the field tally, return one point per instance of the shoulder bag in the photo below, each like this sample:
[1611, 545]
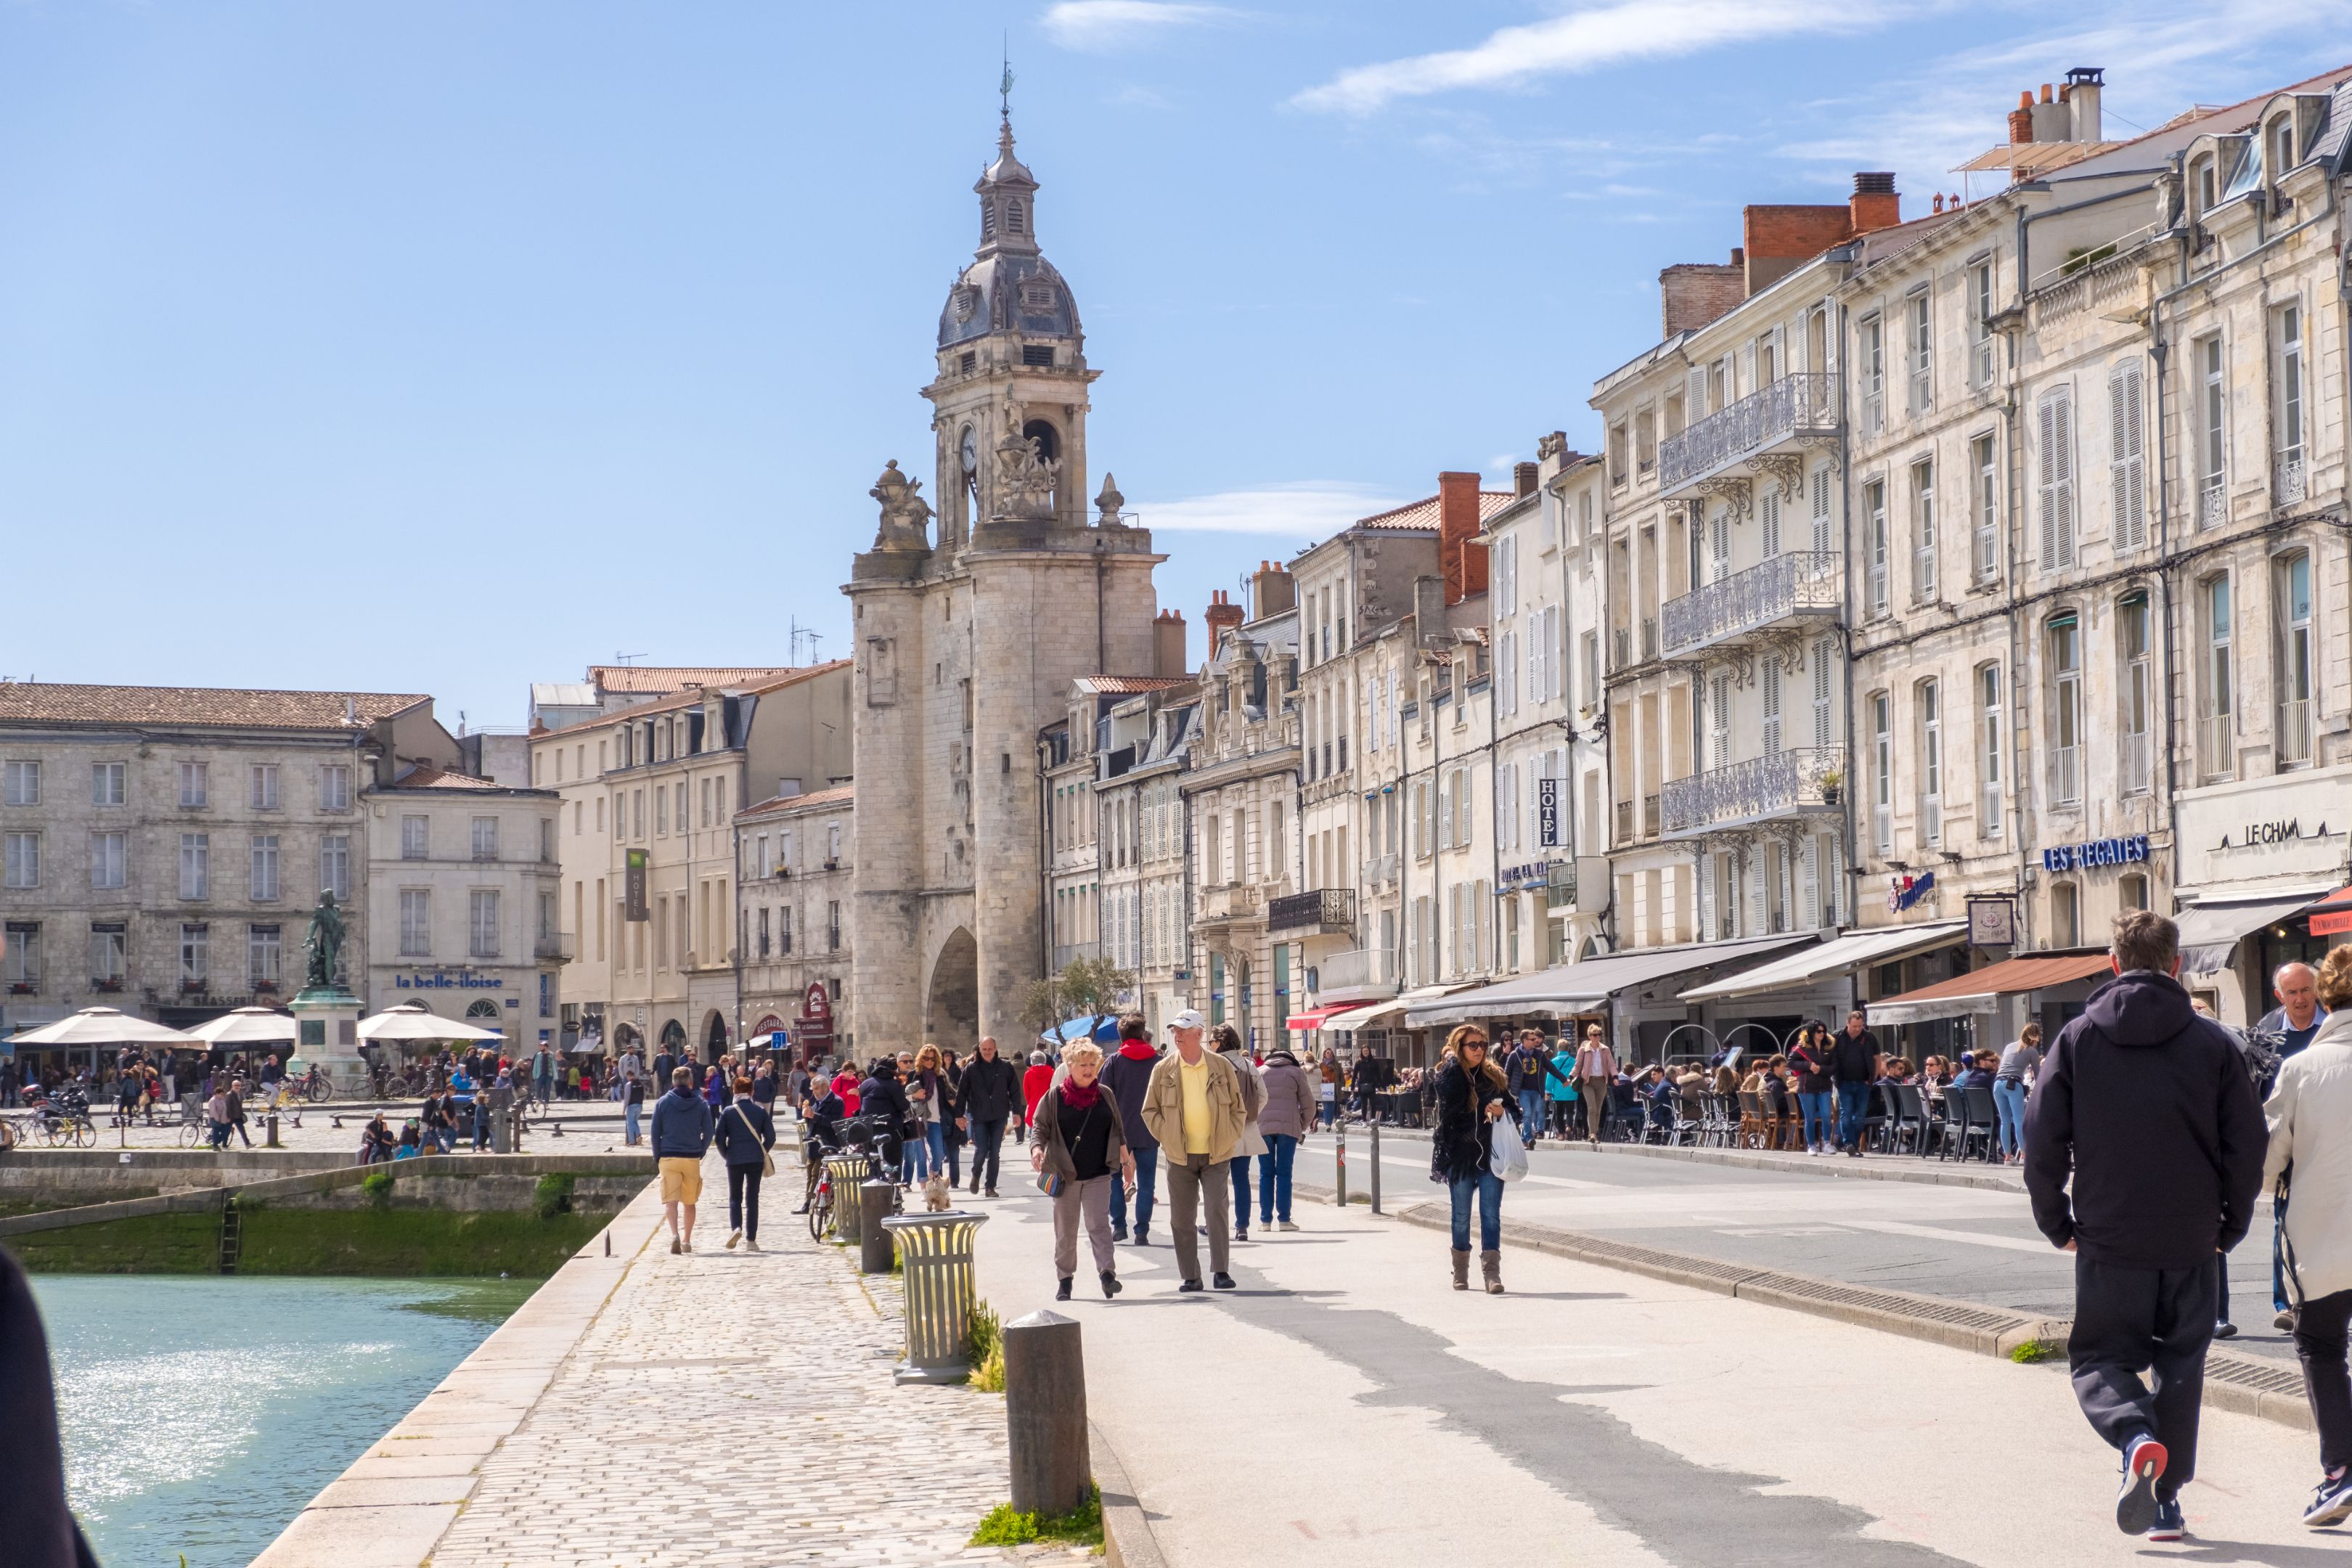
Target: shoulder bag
[767, 1155]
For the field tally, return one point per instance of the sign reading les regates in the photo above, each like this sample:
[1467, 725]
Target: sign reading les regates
[2097, 852]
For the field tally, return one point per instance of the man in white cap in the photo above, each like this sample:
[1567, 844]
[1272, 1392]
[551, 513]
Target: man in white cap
[1193, 1108]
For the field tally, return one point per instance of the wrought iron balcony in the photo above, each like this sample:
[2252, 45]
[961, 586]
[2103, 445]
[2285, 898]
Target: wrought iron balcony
[1367, 971]
[1324, 911]
[1793, 409]
[1799, 584]
[1778, 784]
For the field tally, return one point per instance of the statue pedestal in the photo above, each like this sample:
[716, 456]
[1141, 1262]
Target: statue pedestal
[326, 1034]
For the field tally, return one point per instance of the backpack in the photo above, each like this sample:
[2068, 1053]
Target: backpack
[2260, 1049]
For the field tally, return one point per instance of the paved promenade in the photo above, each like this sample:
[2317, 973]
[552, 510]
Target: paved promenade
[651, 1409]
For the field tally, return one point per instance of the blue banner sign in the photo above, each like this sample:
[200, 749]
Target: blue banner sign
[2097, 852]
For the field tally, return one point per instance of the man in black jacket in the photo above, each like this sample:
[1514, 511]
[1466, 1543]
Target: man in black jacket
[2147, 1106]
[984, 1103]
[1854, 1064]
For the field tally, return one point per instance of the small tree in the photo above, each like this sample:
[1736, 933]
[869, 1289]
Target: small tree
[1095, 986]
[1041, 1004]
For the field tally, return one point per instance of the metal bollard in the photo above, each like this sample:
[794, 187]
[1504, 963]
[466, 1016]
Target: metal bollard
[873, 1249]
[1045, 1414]
[270, 1122]
[1376, 1165]
[1340, 1123]
[936, 1251]
[845, 1172]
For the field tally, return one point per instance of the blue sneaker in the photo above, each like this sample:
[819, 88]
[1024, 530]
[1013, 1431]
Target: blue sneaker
[2168, 1525]
[2332, 1503]
[2137, 1507]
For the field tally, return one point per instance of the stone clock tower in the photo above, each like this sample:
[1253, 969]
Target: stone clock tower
[971, 615]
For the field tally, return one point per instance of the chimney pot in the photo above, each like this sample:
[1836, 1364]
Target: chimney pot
[1875, 204]
[1739, 255]
[2045, 92]
[2025, 99]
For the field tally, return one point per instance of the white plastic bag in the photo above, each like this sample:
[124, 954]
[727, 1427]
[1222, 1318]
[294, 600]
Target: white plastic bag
[1509, 1160]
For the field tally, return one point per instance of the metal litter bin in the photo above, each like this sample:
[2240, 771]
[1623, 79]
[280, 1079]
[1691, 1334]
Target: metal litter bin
[935, 1250]
[846, 1172]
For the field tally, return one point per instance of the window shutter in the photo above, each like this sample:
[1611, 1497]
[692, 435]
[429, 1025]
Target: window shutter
[2046, 477]
[1695, 398]
[1770, 511]
[1822, 543]
[1821, 694]
[2127, 437]
[2056, 472]
[1772, 706]
[1446, 811]
[1809, 875]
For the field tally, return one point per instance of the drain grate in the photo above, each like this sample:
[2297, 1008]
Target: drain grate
[1955, 1314]
[2256, 1375]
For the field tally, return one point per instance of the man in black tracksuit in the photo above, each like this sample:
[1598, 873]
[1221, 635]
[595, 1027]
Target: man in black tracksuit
[990, 1085]
[2148, 1107]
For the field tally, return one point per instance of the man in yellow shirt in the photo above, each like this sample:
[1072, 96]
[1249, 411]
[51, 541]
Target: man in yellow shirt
[1192, 1106]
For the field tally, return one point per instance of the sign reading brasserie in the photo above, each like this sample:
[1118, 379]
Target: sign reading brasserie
[2097, 852]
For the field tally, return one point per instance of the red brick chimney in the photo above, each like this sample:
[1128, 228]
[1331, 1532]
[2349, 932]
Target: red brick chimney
[1168, 645]
[2021, 118]
[1220, 617]
[1876, 203]
[1460, 557]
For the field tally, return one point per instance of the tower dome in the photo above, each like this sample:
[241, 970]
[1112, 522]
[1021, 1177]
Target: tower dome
[1009, 287]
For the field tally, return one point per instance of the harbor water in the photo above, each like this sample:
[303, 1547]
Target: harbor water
[201, 1414]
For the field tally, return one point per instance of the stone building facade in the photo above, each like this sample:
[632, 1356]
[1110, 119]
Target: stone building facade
[1147, 734]
[796, 881]
[164, 845]
[972, 614]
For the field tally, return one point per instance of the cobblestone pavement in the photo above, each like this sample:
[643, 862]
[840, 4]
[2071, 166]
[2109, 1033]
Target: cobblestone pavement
[728, 1409]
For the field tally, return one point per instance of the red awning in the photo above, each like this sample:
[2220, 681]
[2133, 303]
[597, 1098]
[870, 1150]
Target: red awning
[2333, 914]
[1313, 1020]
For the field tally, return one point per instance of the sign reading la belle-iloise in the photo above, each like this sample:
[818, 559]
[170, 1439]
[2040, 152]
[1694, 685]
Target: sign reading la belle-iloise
[442, 980]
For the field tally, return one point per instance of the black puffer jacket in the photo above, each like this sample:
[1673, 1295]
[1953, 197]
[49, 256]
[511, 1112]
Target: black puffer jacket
[1464, 1139]
[2147, 1107]
[990, 1088]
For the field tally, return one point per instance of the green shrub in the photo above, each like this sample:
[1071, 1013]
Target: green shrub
[1082, 1526]
[983, 1347]
[552, 1197]
[2032, 1350]
[378, 1187]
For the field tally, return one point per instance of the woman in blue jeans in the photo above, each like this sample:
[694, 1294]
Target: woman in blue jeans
[1808, 1064]
[2019, 1062]
[1471, 1093]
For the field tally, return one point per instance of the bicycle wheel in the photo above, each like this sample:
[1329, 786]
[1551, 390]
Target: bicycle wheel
[820, 1215]
[189, 1134]
[317, 1089]
[84, 1131]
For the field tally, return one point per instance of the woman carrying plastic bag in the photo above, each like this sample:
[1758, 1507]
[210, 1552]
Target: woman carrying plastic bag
[1468, 1151]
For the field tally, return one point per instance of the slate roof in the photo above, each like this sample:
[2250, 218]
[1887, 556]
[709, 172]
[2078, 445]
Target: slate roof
[198, 707]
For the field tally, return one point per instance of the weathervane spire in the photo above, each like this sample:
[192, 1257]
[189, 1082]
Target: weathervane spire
[1004, 84]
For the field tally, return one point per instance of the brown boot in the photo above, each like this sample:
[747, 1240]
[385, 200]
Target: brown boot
[1490, 1264]
[1462, 1271]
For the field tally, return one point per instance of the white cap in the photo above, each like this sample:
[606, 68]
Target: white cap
[1189, 1018]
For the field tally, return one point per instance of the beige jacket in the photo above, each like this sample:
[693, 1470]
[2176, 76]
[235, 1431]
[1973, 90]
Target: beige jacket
[1163, 1106]
[2310, 1113]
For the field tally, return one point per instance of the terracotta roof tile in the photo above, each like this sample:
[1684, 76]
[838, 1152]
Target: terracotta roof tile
[24, 702]
[693, 698]
[1128, 685]
[1424, 513]
[784, 805]
[422, 776]
[662, 679]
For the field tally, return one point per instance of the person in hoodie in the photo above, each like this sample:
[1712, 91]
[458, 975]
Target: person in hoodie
[1125, 1075]
[682, 1130]
[1282, 1122]
[2310, 1114]
[2148, 1108]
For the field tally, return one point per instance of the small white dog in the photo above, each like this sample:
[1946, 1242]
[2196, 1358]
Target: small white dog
[935, 1191]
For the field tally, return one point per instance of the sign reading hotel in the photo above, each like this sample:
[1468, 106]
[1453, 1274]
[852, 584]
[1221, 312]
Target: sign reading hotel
[1548, 812]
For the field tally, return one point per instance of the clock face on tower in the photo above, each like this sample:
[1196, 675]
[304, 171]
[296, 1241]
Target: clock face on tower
[971, 456]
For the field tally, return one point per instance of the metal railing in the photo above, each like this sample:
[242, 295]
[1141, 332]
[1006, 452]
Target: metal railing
[1366, 968]
[1649, 636]
[1649, 818]
[2294, 731]
[2212, 504]
[1761, 787]
[2138, 761]
[1624, 822]
[1748, 601]
[1931, 821]
[559, 946]
[2066, 775]
[2220, 758]
[1988, 809]
[2289, 479]
[1800, 405]
[1621, 649]
[1324, 910]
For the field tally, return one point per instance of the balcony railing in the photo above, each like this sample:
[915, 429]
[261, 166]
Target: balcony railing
[2136, 759]
[2289, 480]
[1621, 649]
[2220, 745]
[1233, 900]
[1366, 969]
[2212, 504]
[558, 947]
[1779, 784]
[1650, 816]
[1931, 821]
[1326, 910]
[1802, 582]
[1793, 406]
[2066, 775]
[1624, 822]
[2294, 732]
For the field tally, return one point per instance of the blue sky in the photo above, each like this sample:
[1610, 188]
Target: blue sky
[446, 346]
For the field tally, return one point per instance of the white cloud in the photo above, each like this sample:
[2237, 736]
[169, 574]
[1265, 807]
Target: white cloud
[1303, 510]
[1589, 39]
[1104, 25]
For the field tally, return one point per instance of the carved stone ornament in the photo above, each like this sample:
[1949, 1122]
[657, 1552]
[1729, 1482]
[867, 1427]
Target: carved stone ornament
[1025, 474]
[1108, 503]
[906, 515]
[1735, 493]
[1787, 467]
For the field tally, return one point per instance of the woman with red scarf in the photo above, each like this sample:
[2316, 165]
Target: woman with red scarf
[1080, 1140]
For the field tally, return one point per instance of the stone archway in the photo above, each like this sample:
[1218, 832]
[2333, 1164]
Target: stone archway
[952, 1002]
[714, 1036]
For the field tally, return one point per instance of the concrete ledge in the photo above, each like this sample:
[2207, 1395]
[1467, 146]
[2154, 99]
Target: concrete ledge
[2270, 1390]
[1128, 1540]
[391, 1508]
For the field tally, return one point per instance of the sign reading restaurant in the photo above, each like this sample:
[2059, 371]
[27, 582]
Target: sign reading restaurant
[2097, 852]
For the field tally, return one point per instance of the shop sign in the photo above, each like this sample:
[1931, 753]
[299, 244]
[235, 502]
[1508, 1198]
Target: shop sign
[442, 980]
[1906, 891]
[1993, 922]
[2097, 852]
[817, 1004]
[2262, 835]
[1548, 812]
[1533, 874]
[633, 885]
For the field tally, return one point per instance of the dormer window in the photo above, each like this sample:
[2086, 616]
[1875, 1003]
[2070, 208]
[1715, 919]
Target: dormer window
[2204, 185]
[2281, 146]
[966, 300]
[1036, 296]
[1013, 218]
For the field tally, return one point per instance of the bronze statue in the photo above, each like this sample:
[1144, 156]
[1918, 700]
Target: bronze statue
[324, 943]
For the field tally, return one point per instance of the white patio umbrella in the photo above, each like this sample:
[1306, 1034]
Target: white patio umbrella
[410, 1021]
[103, 1027]
[247, 1026]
